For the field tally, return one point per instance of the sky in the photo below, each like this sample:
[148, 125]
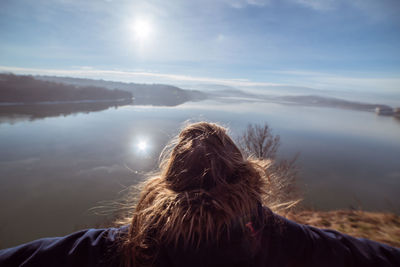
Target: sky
[339, 45]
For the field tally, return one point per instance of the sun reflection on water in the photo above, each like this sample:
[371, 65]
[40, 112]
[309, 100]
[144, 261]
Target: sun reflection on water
[141, 146]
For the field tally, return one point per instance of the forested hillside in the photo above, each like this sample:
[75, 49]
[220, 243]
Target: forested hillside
[26, 89]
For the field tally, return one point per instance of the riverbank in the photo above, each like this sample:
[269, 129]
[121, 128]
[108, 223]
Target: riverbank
[377, 226]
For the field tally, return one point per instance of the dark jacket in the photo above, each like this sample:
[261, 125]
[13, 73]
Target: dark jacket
[280, 242]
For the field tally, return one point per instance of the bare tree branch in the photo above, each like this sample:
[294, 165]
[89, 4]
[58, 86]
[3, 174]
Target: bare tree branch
[258, 142]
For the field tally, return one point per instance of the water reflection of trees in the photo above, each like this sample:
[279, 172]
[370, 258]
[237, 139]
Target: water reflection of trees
[39, 111]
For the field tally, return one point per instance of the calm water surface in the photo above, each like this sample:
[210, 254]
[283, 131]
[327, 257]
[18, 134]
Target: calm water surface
[54, 170]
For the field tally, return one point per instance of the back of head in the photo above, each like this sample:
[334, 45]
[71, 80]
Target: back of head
[204, 189]
[204, 158]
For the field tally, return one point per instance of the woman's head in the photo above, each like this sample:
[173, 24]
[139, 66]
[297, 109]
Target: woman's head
[204, 187]
[204, 158]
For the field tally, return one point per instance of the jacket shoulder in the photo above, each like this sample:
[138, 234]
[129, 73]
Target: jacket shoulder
[83, 248]
[287, 243]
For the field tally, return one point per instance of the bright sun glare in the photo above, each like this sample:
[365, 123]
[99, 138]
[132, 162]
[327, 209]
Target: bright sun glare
[142, 145]
[142, 29]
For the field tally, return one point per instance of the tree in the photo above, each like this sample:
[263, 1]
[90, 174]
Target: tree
[258, 142]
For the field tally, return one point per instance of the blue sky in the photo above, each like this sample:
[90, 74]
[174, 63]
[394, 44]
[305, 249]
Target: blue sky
[322, 44]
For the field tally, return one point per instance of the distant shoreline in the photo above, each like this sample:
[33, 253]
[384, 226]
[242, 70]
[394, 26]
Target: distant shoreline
[66, 102]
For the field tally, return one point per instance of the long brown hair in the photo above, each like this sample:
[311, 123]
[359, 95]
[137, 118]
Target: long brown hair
[204, 185]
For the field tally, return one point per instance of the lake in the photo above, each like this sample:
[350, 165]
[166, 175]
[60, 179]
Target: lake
[53, 170]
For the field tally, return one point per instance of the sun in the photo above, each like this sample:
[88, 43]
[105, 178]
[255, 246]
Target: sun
[142, 146]
[142, 29]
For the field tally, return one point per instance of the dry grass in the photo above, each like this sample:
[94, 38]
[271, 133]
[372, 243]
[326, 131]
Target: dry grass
[381, 227]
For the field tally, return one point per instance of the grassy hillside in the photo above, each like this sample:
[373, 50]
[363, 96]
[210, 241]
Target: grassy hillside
[381, 227]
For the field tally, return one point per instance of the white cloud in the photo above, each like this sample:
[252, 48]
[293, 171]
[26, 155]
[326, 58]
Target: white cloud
[133, 76]
[318, 80]
[318, 4]
[374, 9]
[220, 38]
[378, 10]
[245, 3]
[356, 81]
[257, 2]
